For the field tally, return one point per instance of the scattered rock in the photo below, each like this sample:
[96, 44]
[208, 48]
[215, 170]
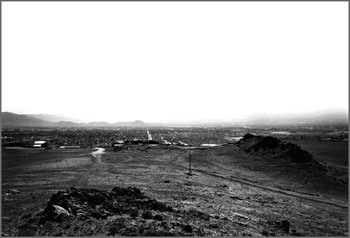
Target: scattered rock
[188, 228]
[285, 226]
[134, 213]
[129, 231]
[147, 215]
[236, 197]
[92, 212]
[116, 227]
[158, 217]
[188, 184]
[294, 232]
[159, 206]
[194, 213]
[55, 213]
[214, 225]
[13, 191]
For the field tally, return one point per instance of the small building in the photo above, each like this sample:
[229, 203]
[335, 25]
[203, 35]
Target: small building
[40, 144]
[149, 136]
[67, 147]
[136, 141]
[210, 145]
[165, 142]
[180, 143]
[118, 145]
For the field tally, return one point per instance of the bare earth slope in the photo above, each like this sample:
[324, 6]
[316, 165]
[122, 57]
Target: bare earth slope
[230, 192]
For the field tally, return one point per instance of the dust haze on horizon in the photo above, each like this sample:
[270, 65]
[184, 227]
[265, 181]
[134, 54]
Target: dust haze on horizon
[174, 61]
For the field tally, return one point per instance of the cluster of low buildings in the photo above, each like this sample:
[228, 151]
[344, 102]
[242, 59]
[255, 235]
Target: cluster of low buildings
[116, 145]
[45, 144]
[119, 144]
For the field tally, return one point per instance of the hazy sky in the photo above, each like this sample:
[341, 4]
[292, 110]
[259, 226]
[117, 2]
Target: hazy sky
[169, 61]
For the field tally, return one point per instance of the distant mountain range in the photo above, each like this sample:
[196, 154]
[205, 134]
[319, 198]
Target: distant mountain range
[53, 118]
[12, 120]
[334, 117]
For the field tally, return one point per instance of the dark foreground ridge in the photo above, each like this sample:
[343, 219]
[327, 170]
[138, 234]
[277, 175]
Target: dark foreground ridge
[123, 211]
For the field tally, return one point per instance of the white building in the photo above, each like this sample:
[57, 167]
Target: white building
[40, 144]
[149, 135]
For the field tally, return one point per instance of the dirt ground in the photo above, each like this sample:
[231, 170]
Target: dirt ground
[250, 191]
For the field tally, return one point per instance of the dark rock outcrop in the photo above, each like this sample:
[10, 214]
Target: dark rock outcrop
[263, 145]
[122, 211]
[100, 204]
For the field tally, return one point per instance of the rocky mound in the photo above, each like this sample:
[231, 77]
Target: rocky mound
[123, 211]
[270, 145]
[311, 170]
[84, 203]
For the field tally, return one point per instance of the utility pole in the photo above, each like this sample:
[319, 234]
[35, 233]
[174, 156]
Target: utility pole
[189, 160]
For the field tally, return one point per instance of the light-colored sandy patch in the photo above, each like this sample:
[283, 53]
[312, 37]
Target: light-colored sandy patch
[70, 162]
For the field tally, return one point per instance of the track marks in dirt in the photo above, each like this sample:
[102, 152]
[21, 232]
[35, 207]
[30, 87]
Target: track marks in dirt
[276, 190]
[181, 160]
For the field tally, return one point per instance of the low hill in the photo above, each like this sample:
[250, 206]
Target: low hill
[274, 151]
[273, 146]
[9, 119]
